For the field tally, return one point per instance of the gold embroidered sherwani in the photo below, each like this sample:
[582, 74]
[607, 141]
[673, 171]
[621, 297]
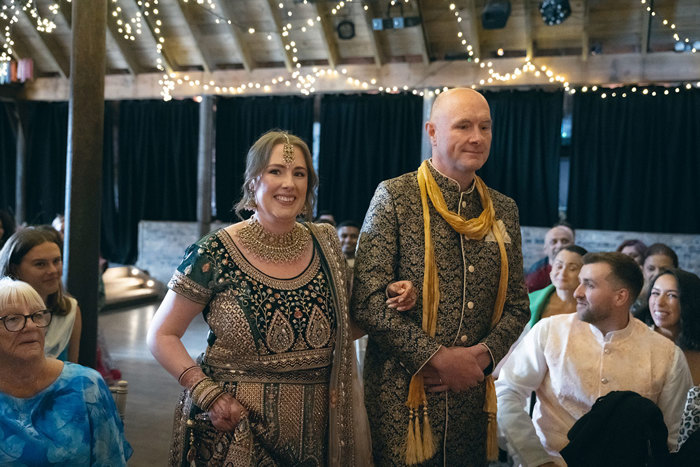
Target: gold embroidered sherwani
[391, 247]
[281, 347]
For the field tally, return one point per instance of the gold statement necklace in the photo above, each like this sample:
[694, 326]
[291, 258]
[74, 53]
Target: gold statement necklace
[274, 248]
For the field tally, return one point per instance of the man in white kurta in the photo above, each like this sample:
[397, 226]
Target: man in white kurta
[571, 360]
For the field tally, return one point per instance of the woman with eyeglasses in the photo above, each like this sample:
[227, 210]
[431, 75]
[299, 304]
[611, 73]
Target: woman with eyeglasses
[51, 412]
[34, 255]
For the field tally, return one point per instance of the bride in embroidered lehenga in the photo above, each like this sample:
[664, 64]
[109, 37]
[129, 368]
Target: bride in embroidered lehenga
[275, 384]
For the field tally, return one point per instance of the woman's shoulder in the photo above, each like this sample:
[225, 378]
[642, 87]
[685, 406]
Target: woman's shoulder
[74, 371]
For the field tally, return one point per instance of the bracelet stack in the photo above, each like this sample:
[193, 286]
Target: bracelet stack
[185, 371]
[205, 392]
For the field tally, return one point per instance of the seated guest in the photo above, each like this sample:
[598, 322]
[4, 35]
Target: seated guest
[51, 412]
[559, 236]
[348, 233]
[659, 257]
[34, 255]
[325, 217]
[635, 249]
[674, 306]
[572, 360]
[7, 226]
[558, 297]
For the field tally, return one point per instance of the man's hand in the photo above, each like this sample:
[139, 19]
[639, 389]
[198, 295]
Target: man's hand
[402, 295]
[456, 368]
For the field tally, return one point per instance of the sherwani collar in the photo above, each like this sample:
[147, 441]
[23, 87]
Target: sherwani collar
[613, 336]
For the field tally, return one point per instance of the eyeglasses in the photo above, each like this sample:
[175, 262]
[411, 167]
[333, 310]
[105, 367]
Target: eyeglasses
[15, 323]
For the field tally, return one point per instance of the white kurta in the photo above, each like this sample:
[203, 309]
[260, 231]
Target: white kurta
[570, 364]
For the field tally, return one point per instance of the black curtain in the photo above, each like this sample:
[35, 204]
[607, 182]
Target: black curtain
[365, 139]
[525, 151]
[156, 167]
[240, 121]
[46, 139]
[634, 162]
[8, 157]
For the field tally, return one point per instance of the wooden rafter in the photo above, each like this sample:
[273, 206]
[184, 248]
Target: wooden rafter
[471, 30]
[236, 36]
[646, 26]
[167, 62]
[51, 48]
[585, 38]
[113, 38]
[199, 42]
[287, 54]
[423, 40]
[374, 39]
[529, 42]
[327, 35]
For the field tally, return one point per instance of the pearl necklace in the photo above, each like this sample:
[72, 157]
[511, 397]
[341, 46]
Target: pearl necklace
[274, 248]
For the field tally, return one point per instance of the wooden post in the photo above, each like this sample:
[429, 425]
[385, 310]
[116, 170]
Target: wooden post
[84, 165]
[205, 149]
[21, 166]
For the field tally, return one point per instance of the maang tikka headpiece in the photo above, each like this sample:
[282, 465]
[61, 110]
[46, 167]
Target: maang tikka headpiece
[287, 151]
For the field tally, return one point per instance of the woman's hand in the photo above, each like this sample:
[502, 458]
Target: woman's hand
[402, 295]
[226, 413]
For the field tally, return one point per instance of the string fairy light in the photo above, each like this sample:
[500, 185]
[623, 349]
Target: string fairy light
[671, 26]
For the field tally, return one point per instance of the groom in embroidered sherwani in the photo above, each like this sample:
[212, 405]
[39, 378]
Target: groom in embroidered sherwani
[473, 325]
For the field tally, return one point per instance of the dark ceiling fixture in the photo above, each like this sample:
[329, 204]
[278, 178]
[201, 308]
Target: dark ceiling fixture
[345, 29]
[554, 11]
[395, 22]
[495, 14]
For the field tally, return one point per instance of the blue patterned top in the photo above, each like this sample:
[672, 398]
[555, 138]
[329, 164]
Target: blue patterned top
[73, 422]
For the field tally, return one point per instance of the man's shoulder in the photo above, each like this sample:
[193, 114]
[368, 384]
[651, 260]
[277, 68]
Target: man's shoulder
[401, 183]
[499, 199]
[652, 338]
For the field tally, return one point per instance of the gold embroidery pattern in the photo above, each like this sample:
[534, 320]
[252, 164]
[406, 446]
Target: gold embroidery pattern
[280, 335]
[318, 332]
[252, 271]
[183, 285]
[231, 325]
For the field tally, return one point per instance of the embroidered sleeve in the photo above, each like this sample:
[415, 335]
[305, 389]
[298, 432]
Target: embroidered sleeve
[194, 277]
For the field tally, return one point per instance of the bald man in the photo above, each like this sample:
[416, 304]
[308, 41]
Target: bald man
[454, 359]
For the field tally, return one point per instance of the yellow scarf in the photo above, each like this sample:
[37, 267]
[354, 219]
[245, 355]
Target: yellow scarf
[420, 447]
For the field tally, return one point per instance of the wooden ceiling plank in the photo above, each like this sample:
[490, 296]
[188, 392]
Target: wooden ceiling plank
[239, 43]
[272, 11]
[374, 39]
[199, 42]
[167, 62]
[57, 57]
[423, 40]
[328, 35]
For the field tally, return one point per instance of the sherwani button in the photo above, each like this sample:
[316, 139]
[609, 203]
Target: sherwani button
[604, 380]
[464, 204]
[607, 351]
[463, 338]
[471, 268]
[470, 305]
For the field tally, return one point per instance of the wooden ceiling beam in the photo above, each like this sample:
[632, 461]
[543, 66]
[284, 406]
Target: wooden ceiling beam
[112, 38]
[374, 39]
[287, 54]
[471, 30]
[57, 57]
[199, 42]
[165, 57]
[239, 43]
[529, 42]
[327, 35]
[423, 40]
[585, 38]
[646, 29]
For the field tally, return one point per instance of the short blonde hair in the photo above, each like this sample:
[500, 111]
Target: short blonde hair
[15, 293]
[258, 158]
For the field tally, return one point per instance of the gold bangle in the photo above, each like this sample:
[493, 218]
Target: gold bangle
[179, 378]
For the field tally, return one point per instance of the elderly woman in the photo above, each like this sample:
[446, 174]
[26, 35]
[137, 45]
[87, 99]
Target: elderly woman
[34, 255]
[275, 384]
[674, 311]
[635, 249]
[51, 412]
